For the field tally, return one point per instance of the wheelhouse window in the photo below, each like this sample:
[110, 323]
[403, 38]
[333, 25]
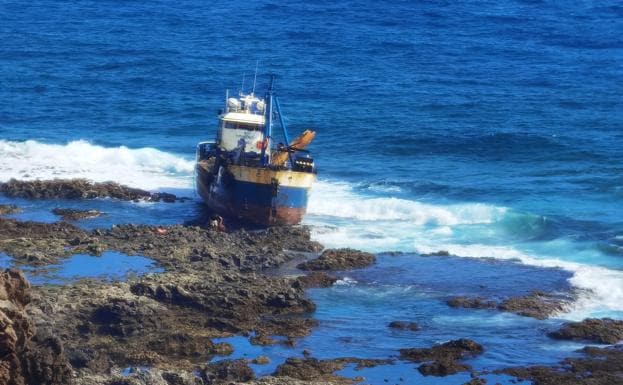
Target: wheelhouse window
[242, 126]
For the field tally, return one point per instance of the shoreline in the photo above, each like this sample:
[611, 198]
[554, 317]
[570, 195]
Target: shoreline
[214, 285]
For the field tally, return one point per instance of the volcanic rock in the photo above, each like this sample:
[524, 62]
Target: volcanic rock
[78, 189]
[597, 367]
[226, 371]
[472, 303]
[442, 367]
[317, 279]
[455, 349]
[339, 259]
[443, 358]
[74, 214]
[537, 304]
[404, 325]
[26, 357]
[9, 209]
[261, 360]
[311, 369]
[601, 331]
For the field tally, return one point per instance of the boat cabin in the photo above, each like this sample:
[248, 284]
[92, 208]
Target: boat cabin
[242, 123]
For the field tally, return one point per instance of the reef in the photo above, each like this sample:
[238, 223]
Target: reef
[404, 325]
[212, 286]
[312, 369]
[27, 356]
[9, 209]
[79, 189]
[601, 331]
[597, 366]
[339, 259]
[443, 359]
[75, 215]
[537, 304]
[317, 279]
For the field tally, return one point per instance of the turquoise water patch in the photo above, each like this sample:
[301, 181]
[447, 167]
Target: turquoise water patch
[110, 266]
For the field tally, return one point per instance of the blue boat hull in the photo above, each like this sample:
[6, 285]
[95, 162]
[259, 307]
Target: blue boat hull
[256, 195]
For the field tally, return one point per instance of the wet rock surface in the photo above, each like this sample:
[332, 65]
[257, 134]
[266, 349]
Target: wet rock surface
[404, 325]
[339, 259]
[9, 209]
[443, 359]
[598, 366]
[317, 279]
[537, 304]
[78, 189]
[26, 356]
[312, 369]
[75, 215]
[601, 331]
[226, 371]
[212, 286]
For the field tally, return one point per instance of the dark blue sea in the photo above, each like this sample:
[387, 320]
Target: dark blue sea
[491, 130]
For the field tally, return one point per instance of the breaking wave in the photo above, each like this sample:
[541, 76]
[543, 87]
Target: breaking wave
[342, 216]
[146, 168]
[334, 199]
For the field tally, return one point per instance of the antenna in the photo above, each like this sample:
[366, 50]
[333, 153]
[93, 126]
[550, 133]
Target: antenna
[255, 76]
[242, 86]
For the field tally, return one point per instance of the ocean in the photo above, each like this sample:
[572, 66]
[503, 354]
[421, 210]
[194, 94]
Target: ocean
[490, 130]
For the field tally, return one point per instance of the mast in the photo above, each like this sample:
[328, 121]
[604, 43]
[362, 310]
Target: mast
[268, 121]
[284, 129]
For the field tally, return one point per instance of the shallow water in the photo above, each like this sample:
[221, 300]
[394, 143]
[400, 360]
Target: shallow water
[110, 266]
[355, 312]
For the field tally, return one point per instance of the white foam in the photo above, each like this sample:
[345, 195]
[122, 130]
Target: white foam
[146, 168]
[338, 200]
[344, 218]
[601, 288]
[346, 281]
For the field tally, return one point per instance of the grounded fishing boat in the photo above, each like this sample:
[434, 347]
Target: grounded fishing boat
[242, 174]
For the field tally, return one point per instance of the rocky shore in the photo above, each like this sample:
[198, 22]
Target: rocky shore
[160, 328]
[537, 304]
[78, 189]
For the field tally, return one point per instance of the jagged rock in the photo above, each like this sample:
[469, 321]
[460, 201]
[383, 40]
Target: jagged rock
[596, 367]
[442, 367]
[536, 304]
[78, 189]
[313, 369]
[317, 279]
[476, 381]
[601, 331]
[123, 317]
[74, 214]
[472, 302]
[404, 325]
[26, 357]
[262, 339]
[9, 209]
[261, 360]
[226, 371]
[339, 259]
[443, 358]
[223, 349]
[455, 349]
